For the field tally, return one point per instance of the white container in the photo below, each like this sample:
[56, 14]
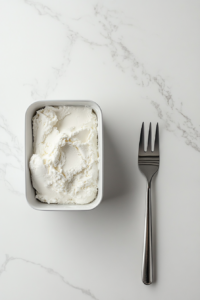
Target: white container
[30, 192]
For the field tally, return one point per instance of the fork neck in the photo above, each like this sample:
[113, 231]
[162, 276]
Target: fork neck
[149, 183]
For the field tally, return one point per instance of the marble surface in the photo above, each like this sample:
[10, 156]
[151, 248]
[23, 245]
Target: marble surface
[139, 60]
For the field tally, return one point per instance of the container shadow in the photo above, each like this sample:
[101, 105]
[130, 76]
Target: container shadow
[115, 176]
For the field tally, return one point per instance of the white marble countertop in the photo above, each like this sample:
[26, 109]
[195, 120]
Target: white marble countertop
[139, 60]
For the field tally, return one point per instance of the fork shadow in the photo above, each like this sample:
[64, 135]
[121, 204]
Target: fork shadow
[154, 229]
[115, 178]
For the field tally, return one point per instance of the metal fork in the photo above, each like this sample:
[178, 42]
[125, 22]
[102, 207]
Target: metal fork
[148, 162]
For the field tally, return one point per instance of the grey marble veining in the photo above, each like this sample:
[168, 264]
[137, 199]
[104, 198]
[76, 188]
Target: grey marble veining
[107, 24]
[139, 61]
[10, 259]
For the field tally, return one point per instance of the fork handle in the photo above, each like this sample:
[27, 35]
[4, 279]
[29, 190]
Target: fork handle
[147, 264]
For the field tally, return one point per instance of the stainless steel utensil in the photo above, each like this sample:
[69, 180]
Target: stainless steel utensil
[148, 162]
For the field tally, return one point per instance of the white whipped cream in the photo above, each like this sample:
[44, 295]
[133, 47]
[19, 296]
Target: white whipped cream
[64, 166]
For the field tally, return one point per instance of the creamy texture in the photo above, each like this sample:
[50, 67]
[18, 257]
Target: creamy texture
[64, 166]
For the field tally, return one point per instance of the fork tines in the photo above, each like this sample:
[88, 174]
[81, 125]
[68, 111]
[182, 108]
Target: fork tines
[149, 156]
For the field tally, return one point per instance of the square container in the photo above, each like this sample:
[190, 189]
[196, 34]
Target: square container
[30, 192]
